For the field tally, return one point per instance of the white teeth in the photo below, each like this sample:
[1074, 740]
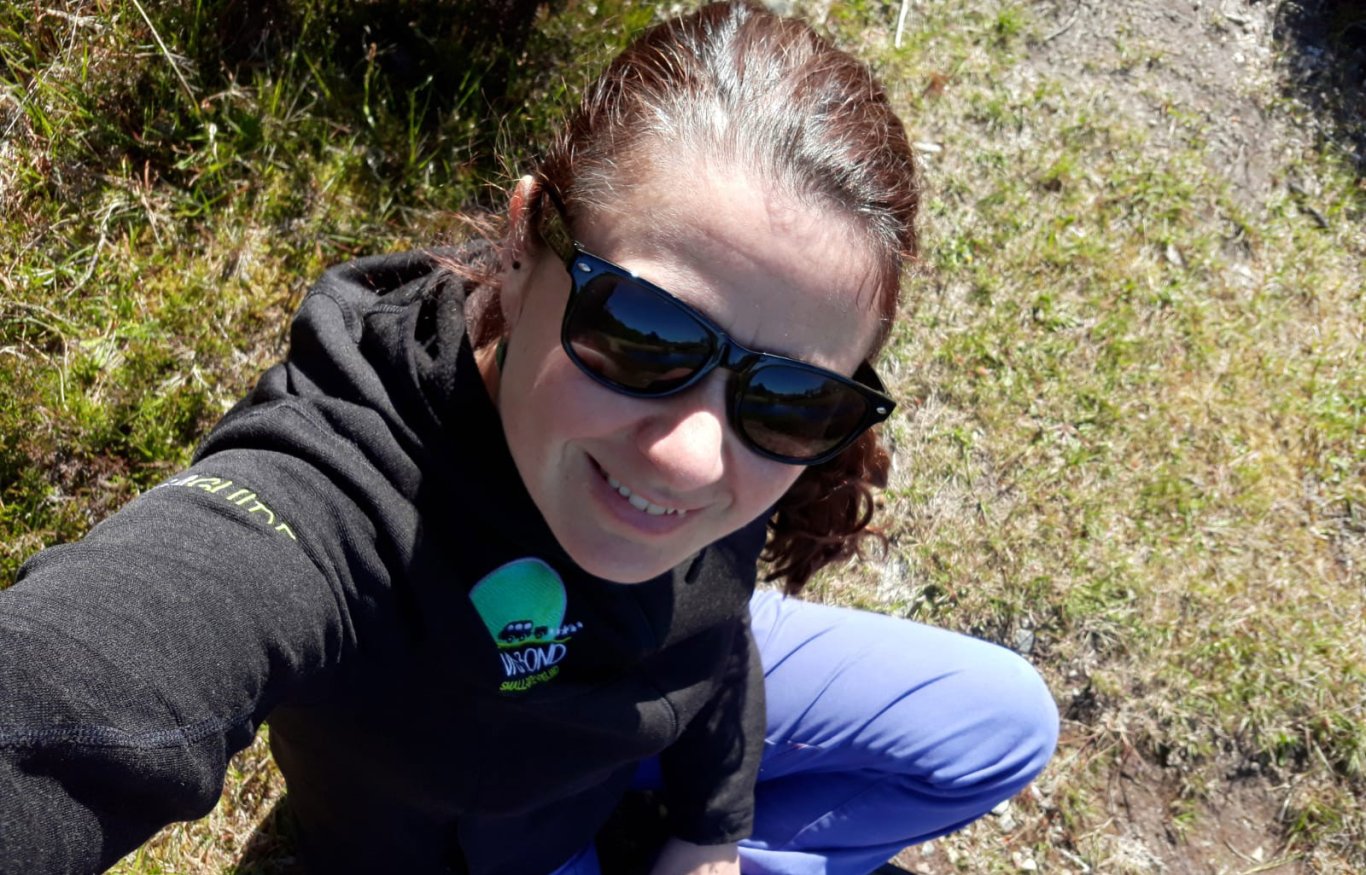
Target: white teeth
[640, 503]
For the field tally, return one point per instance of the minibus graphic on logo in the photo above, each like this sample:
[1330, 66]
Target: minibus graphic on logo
[522, 605]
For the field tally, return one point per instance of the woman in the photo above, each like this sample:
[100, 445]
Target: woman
[483, 547]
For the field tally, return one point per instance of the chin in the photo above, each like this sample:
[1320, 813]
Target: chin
[618, 560]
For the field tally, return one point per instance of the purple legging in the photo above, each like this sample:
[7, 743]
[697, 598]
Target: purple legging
[881, 733]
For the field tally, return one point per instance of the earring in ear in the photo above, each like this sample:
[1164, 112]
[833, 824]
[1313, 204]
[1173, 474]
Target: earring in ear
[516, 265]
[500, 353]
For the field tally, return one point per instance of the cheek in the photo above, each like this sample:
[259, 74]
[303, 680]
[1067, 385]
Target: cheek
[760, 483]
[558, 404]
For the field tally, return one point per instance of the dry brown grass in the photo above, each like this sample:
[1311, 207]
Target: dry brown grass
[1134, 366]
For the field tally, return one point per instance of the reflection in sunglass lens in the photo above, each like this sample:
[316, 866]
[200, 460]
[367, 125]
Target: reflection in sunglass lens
[635, 338]
[638, 339]
[798, 413]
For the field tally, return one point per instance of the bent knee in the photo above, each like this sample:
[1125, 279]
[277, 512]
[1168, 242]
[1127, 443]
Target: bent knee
[1008, 726]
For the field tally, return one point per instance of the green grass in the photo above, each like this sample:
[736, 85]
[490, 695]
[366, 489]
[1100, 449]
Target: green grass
[1140, 435]
[1135, 427]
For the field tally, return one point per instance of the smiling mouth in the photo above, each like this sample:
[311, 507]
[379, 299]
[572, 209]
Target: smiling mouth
[646, 507]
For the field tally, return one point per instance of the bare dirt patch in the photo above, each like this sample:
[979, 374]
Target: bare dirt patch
[1235, 830]
[1207, 69]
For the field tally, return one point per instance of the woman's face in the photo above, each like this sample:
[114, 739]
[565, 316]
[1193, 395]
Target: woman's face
[776, 275]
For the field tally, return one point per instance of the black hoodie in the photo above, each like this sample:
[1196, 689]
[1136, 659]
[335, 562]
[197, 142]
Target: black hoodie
[353, 556]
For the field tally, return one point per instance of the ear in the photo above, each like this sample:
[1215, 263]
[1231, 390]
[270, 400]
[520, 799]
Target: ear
[517, 246]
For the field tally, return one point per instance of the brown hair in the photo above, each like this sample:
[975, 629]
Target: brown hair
[735, 83]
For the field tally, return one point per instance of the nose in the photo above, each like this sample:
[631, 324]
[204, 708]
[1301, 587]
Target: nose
[685, 440]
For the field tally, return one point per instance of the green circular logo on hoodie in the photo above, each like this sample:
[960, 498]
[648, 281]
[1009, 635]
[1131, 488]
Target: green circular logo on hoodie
[522, 603]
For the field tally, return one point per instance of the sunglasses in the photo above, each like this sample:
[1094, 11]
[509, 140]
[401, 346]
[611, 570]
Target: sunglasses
[637, 339]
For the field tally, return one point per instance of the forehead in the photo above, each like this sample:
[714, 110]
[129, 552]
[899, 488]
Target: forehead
[778, 274]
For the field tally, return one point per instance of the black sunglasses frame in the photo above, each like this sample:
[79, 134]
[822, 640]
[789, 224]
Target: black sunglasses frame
[728, 353]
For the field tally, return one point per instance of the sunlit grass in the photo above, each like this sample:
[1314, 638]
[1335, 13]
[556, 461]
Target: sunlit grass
[1134, 438]
[1140, 439]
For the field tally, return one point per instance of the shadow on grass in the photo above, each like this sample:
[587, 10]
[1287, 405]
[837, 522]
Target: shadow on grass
[401, 74]
[395, 48]
[271, 848]
[419, 86]
[1325, 42]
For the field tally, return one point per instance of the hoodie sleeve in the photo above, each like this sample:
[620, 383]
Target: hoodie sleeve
[710, 772]
[135, 662]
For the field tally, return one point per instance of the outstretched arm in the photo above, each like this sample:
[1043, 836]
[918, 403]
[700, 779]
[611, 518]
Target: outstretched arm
[136, 662]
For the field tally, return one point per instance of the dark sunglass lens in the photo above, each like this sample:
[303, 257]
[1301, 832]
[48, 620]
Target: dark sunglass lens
[635, 337]
[798, 413]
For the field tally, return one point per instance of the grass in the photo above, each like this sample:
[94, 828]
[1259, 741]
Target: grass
[1140, 439]
[1135, 438]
